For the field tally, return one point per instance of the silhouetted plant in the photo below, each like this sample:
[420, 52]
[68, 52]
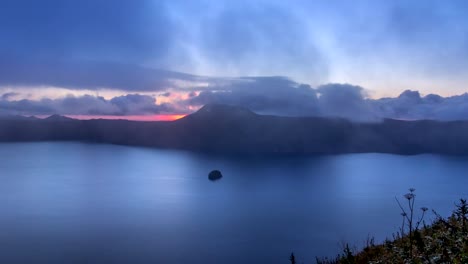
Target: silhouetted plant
[445, 240]
[328, 261]
[348, 256]
[292, 258]
[370, 242]
[408, 218]
[419, 241]
[461, 212]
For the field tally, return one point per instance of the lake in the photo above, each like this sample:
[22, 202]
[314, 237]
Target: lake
[88, 203]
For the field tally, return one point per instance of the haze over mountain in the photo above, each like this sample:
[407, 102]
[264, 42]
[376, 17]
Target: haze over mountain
[235, 130]
[267, 95]
[274, 94]
[130, 58]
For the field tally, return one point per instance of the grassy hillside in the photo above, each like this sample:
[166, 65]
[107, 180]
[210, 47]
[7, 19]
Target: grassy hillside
[445, 240]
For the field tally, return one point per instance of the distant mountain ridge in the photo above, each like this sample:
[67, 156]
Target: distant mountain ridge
[56, 117]
[235, 130]
[17, 117]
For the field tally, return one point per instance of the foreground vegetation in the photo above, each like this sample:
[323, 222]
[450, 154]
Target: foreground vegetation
[445, 240]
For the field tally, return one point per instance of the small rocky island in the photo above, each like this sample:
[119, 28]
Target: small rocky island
[215, 175]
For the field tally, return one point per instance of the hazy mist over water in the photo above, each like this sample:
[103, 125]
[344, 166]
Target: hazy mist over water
[86, 203]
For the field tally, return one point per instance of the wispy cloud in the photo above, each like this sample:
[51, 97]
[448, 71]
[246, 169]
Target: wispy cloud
[87, 75]
[90, 44]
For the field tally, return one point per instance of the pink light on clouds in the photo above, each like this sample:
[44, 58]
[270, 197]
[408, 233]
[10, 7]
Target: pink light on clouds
[128, 117]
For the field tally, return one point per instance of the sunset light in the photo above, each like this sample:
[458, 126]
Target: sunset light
[233, 131]
[127, 117]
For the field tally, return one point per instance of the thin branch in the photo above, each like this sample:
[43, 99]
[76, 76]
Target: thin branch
[403, 210]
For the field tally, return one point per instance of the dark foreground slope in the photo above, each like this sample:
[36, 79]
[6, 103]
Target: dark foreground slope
[227, 129]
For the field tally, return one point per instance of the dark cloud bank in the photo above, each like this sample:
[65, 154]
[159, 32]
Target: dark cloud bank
[47, 41]
[90, 75]
[94, 44]
[280, 96]
[106, 44]
[264, 95]
[131, 104]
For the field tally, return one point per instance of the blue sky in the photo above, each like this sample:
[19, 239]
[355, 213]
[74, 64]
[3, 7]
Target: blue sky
[109, 48]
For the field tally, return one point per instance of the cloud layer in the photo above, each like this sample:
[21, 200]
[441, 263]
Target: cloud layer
[136, 52]
[384, 45]
[89, 75]
[264, 95]
[130, 104]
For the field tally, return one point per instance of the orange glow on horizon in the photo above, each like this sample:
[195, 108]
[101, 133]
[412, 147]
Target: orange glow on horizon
[171, 117]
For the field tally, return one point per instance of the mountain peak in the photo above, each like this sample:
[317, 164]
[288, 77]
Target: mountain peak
[56, 117]
[223, 109]
[220, 111]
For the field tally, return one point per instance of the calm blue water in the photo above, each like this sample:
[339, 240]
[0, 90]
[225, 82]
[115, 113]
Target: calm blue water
[85, 203]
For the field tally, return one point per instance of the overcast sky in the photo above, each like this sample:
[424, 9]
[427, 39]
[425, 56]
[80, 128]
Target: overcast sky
[122, 57]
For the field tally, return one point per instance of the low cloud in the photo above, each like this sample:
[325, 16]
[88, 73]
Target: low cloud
[263, 95]
[131, 104]
[281, 96]
[266, 95]
[346, 101]
[7, 96]
[411, 105]
[86, 75]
